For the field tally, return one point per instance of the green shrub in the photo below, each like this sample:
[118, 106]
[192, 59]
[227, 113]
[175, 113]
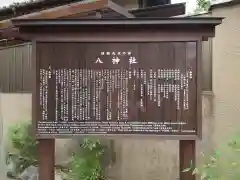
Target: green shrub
[224, 164]
[25, 146]
[86, 161]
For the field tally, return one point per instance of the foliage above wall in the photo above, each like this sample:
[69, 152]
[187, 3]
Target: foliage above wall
[203, 5]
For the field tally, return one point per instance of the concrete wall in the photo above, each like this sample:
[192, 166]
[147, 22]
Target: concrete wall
[136, 159]
[221, 64]
[14, 108]
[226, 64]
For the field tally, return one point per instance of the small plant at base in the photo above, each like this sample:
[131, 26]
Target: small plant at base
[86, 161]
[224, 164]
[25, 146]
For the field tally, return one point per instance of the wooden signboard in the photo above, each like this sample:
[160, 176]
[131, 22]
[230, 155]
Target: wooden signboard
[117, 77]
[117, 88]
[118, 80]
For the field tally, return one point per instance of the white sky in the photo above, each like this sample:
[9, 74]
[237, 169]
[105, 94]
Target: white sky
[191, 4]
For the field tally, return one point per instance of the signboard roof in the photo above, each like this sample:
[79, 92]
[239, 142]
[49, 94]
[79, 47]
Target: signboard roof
[210, 21]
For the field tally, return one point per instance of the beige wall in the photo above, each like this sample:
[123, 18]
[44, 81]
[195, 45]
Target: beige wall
[14, 108]
[226, 73]
[136, 159]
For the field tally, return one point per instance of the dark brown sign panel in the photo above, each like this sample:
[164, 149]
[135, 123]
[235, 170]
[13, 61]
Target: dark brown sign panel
[117, 88]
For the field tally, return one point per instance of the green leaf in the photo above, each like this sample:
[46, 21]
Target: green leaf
[203, 176]
[86, 161]
[213, 159]
[195, 171]
[25, 145]
[187, 170]
[217, 153]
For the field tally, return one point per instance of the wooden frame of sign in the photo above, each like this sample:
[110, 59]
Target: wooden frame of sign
[121, 77]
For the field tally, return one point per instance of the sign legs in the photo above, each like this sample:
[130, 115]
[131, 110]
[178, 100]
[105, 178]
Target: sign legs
[187, 155]
[46, 158]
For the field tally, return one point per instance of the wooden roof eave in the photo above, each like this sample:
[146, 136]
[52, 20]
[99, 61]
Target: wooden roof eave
[69, 10]
[168, 10]
[65, 30]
